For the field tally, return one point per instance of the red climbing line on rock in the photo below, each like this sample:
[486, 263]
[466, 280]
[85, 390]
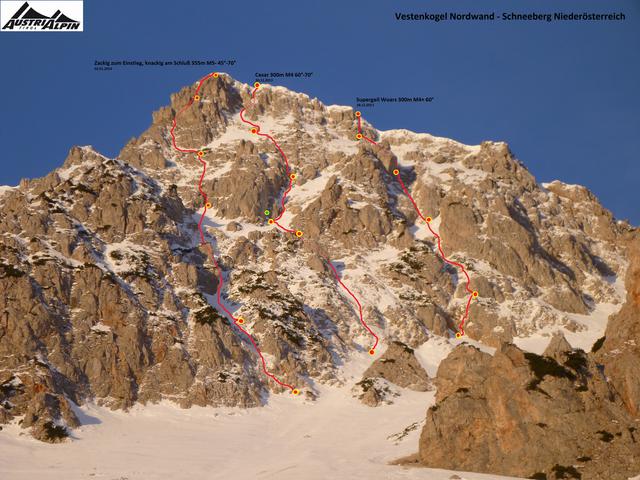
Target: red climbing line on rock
[372, 350]
[360, 135]
[238, 321]
[472, 294]
[256, 131]
[274, 221]
[396, 172]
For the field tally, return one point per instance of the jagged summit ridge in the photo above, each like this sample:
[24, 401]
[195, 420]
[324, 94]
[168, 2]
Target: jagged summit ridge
[112, 295]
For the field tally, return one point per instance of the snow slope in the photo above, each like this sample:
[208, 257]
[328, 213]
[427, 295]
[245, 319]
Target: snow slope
[335, 437]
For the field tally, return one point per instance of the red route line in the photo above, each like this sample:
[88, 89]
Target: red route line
[236, 320]
[427, 220]
[360, 134]
[256, 130]
[472, 294]
[335, 272]
[288, 230]
[369, 140]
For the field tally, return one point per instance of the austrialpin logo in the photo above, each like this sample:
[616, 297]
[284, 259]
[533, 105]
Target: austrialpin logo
[41, 16]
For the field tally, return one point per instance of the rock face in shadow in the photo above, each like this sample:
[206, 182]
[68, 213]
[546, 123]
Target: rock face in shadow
[521, 414]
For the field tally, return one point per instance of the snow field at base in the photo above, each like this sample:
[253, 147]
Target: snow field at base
[290, 438]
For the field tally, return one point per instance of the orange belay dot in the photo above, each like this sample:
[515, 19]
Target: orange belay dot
[358, 114]
[372, 352]
[396, 172]
[208, 205]
[295, 391]
[201, 153]
[271, 221]
[299, 233]
[359, 136]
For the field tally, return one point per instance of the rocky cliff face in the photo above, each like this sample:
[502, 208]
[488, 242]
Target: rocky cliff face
[107, 295]
[566, 414]
[521, 414]
[619, 349]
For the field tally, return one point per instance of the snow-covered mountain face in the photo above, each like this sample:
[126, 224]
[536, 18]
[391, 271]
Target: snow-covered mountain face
[108, 293]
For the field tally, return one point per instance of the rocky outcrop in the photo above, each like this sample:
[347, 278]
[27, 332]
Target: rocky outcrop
[558, 348]
[521, 414]
[619, 350]
[400, 366]
[374, 392]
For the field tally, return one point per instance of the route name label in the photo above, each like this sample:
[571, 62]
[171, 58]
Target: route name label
[269, 77]
[107, 65]
[372, 101]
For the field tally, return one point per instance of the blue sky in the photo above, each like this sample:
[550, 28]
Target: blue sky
[565, 96]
